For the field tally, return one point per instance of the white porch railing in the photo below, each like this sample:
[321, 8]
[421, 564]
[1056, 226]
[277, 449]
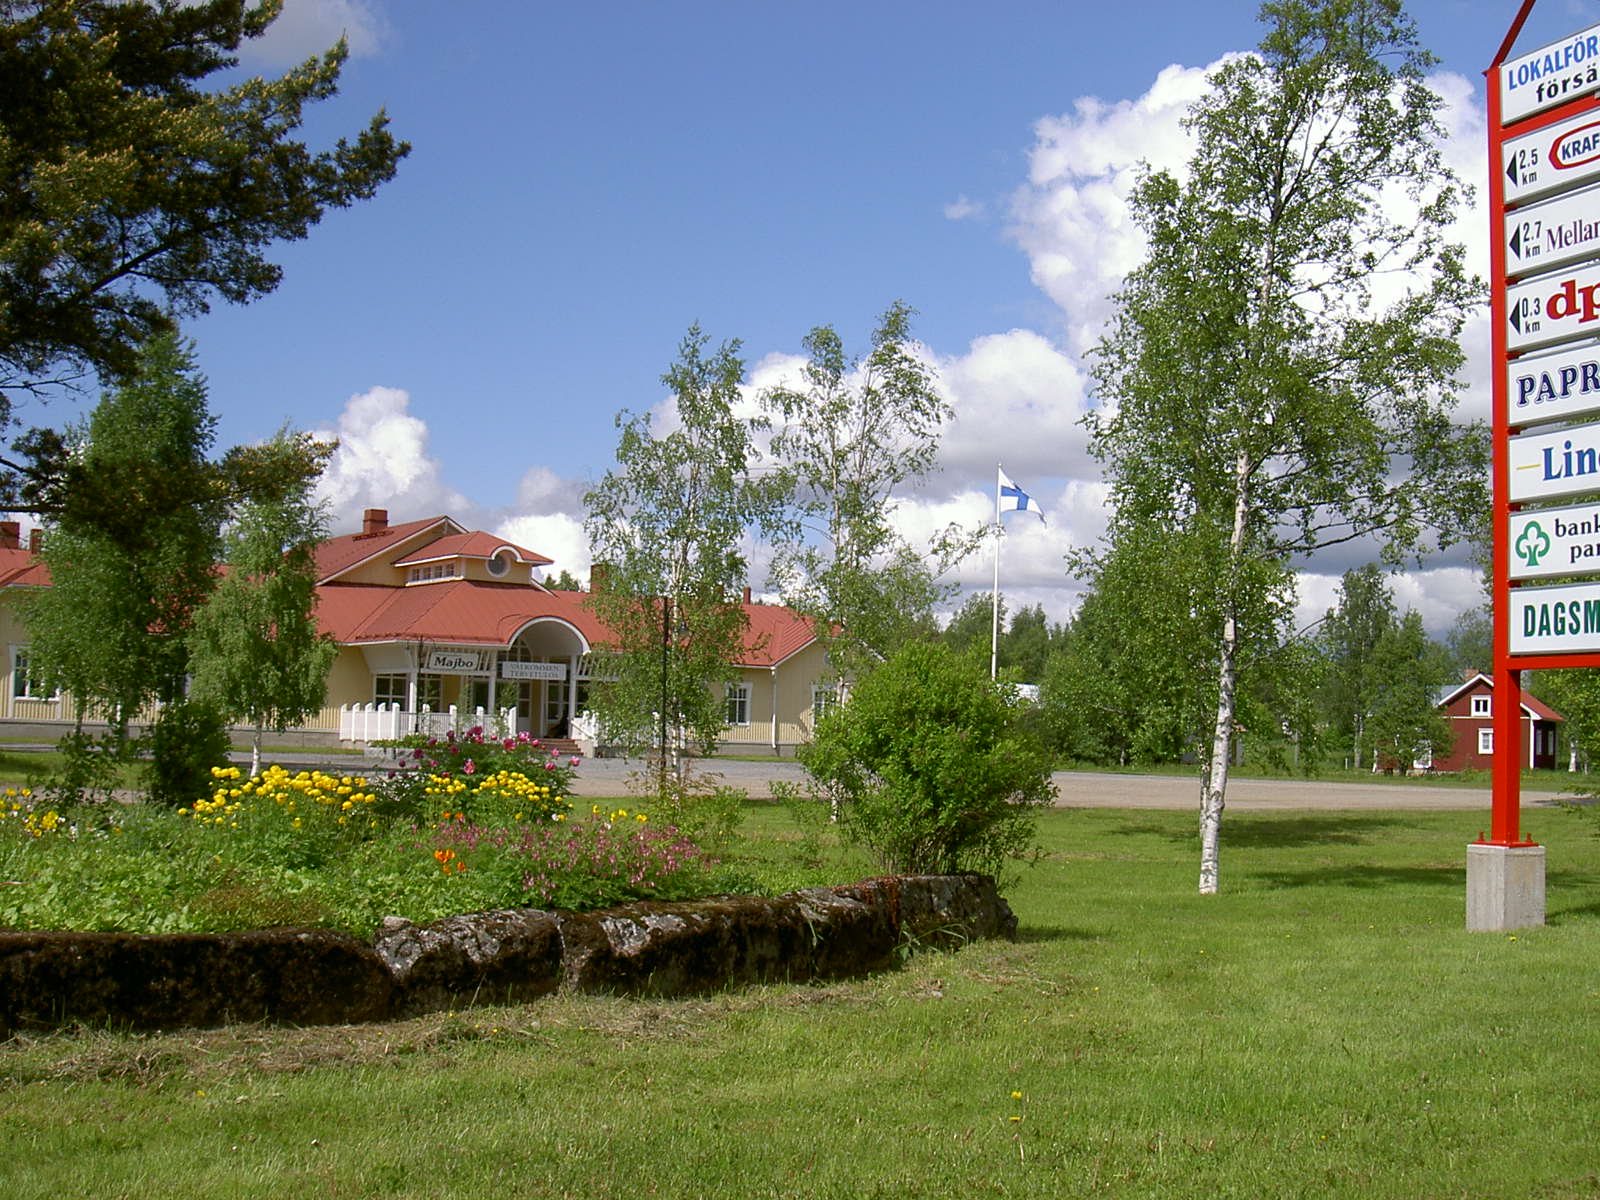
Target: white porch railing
[377, 722]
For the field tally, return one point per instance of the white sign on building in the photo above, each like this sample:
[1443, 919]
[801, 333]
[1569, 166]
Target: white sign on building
[533, 670]
[454, 662]
[1555, 620]
[1550, 76]
[1551, 159]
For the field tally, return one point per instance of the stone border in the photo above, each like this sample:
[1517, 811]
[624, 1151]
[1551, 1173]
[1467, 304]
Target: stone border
[320, 977]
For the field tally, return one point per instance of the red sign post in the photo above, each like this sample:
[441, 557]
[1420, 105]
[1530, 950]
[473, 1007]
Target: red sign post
[1544, 204]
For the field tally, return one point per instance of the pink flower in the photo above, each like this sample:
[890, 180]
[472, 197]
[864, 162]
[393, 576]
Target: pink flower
[467, 768]
[573, 761]
[551, 765]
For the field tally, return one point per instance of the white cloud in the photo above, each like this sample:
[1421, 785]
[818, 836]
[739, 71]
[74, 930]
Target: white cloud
[1071, 218]
[311, 27]
[961, 209]
[383, 462]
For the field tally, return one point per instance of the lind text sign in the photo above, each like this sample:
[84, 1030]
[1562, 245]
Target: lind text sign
[1552, 159]
[1550, 76]
[1555, 620]
[1547, 543]
[1548, 466]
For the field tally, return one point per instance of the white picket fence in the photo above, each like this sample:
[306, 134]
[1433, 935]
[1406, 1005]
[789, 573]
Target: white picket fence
[377, 722]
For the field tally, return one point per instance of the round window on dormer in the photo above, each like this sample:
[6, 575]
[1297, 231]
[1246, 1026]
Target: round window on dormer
[500, 563]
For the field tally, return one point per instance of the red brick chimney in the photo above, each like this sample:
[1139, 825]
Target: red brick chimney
[374, 520]
[747, 593]
[10, 535]
[36, 539]
[597, 577]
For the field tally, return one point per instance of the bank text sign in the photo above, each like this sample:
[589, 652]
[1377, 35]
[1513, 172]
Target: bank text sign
[1547, 543]
[1550, 76]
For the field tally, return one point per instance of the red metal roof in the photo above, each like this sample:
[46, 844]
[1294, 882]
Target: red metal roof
[467, 545]
[339, 554]
[23, 568]
[471, 612]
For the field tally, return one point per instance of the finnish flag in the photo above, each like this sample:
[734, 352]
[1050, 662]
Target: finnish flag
[1014, 499]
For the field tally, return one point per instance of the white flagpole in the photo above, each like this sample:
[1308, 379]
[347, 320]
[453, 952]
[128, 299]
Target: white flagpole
[994, 631]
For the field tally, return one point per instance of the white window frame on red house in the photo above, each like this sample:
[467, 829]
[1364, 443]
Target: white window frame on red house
[1485, 741]
[1481, 706]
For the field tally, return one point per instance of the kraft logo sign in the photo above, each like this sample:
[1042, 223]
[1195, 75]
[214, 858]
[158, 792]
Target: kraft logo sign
[1533, 545]
[1552, 159]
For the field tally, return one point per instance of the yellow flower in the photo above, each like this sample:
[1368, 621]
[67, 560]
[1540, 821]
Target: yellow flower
[1016, 1095]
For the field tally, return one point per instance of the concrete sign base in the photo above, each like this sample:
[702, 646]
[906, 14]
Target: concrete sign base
[1505, 887]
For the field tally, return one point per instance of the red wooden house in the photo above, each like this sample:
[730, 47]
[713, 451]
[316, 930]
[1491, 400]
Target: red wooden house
[1470, 707]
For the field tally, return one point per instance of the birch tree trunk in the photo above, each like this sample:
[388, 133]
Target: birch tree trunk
[1214, 789]
[255, 750]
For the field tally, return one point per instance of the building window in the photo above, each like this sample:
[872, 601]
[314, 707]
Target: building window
[389, 689]
[738, 698]
[428, 572]
[1485, 741]
[823, 700]
[1480, 706]
[24, 683]
[430, 692]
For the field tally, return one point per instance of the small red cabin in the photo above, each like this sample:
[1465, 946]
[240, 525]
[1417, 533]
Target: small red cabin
[1470, 707]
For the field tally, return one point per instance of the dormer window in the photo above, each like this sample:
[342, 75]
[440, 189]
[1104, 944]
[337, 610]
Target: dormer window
[1480, 706]
[428, 572]
[500, 564]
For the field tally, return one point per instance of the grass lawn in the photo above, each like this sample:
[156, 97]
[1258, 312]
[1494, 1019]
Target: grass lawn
[1325, 1027]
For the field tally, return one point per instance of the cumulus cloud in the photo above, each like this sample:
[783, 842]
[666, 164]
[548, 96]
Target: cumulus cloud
[311, 27]
[383, 462]
[1071, 218]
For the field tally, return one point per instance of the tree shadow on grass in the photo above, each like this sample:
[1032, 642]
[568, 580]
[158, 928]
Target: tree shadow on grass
[1305, 829]
[1364, 877]
[1028, 934]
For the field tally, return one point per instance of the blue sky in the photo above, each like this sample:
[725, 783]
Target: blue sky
[589, 179]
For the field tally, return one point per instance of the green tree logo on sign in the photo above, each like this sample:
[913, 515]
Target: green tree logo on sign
[1533, 545]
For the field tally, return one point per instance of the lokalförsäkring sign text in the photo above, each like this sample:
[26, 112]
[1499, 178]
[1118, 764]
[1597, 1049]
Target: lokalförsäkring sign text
[1547, 543]
[1555, 620]
[1550, 76]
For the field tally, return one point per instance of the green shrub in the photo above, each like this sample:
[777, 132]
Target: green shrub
[188, 739]
[933, 768]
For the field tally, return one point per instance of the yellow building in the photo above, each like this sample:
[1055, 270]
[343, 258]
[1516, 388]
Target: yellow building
[441, 626]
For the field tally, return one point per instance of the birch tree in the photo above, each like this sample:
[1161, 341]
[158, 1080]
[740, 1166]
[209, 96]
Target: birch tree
[255, 650]
[851, 436]
[667, 525]
[1280, 374]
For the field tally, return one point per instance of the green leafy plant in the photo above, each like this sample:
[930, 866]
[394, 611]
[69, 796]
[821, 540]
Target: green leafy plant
[931, 762]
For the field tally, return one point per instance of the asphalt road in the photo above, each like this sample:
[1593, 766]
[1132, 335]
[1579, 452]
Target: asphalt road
[1082, 789]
